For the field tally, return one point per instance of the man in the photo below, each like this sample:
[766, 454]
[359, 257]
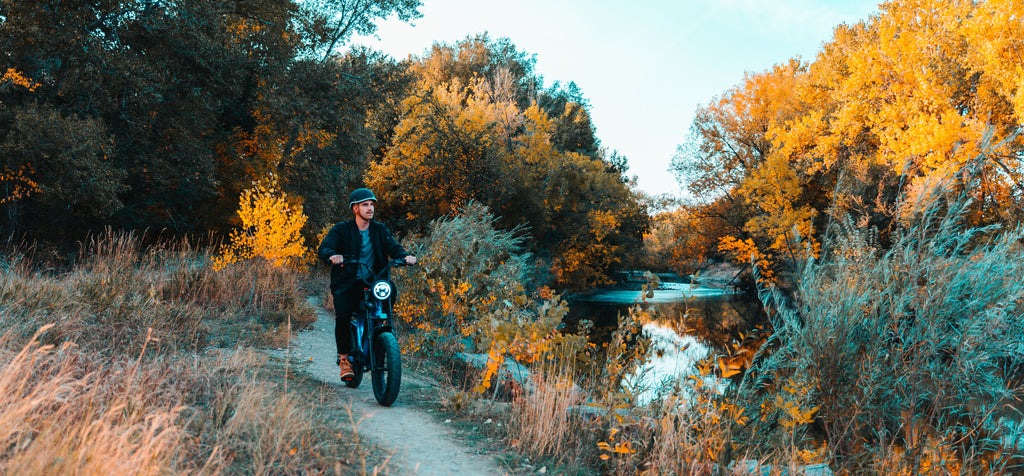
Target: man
[356, 249]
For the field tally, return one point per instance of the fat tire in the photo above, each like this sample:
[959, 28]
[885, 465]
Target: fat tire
[387, 376]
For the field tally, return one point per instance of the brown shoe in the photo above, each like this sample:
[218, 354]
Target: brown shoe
[346, 367]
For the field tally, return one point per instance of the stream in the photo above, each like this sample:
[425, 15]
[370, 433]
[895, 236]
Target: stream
[688, 321]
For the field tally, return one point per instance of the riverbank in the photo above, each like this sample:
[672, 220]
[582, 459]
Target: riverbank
[725, 277]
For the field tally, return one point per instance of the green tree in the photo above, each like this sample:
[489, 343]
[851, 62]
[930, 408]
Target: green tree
[67, 160]
[169, 82]
[326, 24]
[187, 102]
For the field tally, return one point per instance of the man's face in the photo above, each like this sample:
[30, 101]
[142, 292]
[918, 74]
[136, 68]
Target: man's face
[364, 210]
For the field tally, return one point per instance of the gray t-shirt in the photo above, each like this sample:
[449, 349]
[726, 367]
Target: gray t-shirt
[365, 256]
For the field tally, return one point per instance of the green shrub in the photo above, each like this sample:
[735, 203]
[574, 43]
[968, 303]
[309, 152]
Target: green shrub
[912, 355]
[469, 269]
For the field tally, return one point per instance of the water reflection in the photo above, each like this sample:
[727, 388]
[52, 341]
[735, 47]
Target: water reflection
[667, 292]
[672, 356]
[688, 323]
[715, 317]
[715, 320]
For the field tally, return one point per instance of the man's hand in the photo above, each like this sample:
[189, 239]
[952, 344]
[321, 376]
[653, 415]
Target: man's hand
[338, 259]
[410, 259]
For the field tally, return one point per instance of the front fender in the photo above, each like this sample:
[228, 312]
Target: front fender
[384, 328]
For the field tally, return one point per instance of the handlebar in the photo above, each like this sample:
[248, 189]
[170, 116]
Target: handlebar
[351, 259]
[397, 262]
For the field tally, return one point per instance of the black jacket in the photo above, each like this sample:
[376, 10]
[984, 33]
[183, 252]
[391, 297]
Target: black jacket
[343, 239]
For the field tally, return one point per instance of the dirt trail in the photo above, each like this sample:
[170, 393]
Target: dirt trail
[420, 445]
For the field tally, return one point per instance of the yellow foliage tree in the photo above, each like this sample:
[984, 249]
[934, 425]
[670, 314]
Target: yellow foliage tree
[14, 77]
[915, 92]
[458, 143]
[270, 227]
[16, 184]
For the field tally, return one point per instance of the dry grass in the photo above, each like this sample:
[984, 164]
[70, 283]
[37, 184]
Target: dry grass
[66, 411]
[63, 411]
[119, 292]
[104, 369]
[541, 419]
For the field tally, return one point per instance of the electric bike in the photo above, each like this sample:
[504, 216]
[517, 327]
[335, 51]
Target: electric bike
[375, 348]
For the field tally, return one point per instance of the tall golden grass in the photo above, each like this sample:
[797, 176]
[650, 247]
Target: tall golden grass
[63, 411]
[107, 368]
[542, 418]
[120, 291]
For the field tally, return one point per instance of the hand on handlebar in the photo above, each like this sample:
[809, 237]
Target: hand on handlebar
[406, 261]
[337, 259]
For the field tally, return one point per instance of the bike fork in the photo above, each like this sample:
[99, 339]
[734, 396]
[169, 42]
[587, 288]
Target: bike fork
[358, 352]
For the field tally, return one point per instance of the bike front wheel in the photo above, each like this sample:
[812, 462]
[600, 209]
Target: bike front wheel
[387, 368]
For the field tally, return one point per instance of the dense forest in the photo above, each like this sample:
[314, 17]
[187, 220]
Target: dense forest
[158, 115]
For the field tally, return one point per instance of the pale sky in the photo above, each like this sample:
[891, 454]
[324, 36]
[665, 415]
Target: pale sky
[645, 65]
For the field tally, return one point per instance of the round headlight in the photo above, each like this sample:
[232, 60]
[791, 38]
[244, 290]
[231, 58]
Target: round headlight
[382, 290]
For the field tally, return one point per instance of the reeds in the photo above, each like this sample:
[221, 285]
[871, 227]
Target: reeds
[65, 412]
[912, 355]
[541, 419]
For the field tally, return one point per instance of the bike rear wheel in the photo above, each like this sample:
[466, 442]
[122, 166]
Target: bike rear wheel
[357, 367]
[355, 380]
[387, 368]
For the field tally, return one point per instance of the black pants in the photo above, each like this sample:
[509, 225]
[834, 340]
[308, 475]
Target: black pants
[344, 305]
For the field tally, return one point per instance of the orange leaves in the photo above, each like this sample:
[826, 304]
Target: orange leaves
[16, 185]
[495, 359]
[913, 89]
[525, 331]
[585, 256]
[911, 94]
[310, 135]
[728, 368]
[792, 407]
[745, 252]
[17, 78]
[462, 141]
[271, 227]
[996, 32]
[612, 447]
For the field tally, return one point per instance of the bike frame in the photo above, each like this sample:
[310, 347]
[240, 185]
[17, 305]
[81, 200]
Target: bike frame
[373, 317]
